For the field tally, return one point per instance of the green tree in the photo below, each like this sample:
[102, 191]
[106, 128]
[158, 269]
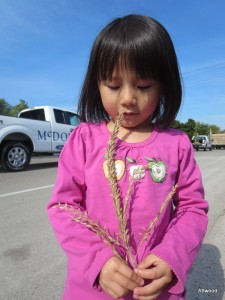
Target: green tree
[176, 124]
[5, 107]
[214, 128]
[194, 128]
[8, 110]
[189, 128]
[203, 129]
[17, 108]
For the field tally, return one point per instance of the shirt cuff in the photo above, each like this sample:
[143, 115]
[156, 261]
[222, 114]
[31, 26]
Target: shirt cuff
[177, 286]
[101, 258]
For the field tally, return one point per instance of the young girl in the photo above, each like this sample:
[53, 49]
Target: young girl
[133, 69]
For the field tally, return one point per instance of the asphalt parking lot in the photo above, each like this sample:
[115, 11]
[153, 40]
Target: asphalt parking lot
[32, 266]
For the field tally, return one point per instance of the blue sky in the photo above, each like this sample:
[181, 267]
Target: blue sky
[45, 45]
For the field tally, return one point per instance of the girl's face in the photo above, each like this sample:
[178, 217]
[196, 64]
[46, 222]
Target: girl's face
[136, 97]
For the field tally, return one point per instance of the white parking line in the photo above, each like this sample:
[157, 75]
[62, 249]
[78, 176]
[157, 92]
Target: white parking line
[26, 191]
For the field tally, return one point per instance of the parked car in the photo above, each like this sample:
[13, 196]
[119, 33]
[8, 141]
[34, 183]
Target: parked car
[202, 142]
[38, 130]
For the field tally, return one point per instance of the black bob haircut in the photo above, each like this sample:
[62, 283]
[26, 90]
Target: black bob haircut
[142, 45]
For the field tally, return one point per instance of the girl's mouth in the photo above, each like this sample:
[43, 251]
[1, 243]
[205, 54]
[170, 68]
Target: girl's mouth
[129, 114]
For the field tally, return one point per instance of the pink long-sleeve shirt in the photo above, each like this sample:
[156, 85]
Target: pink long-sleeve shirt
[164, 159]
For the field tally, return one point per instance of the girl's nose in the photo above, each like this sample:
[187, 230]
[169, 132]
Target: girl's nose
[127, 97]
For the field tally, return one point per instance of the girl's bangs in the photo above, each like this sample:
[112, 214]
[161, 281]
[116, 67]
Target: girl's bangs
[141, 59]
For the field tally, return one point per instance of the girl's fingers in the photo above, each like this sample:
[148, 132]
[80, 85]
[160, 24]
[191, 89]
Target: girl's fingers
[112, 288]
[130, 275]
[125, 282]
[148, 261]
[119, 286]
[152, 297]
[160, 274]
[159, 270]
[150, 290]
[149, 273]
[115, 291]
[117, 279]
[153, 273]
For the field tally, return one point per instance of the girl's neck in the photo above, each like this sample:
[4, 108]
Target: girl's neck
[134, 134]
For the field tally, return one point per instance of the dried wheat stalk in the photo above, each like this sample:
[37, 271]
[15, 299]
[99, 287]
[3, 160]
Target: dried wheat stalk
[116, 194]
[110, 157]
[82, 217]
[156, 219]
[123, 226]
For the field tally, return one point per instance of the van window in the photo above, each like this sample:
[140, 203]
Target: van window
[201, 138]
[36, 114]
[66, 117]
[72, 118]
[59, 116]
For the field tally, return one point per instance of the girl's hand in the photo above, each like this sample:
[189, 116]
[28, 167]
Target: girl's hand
[117, 279]
[156, 270]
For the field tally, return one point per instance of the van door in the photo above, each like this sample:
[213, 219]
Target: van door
[64, 124]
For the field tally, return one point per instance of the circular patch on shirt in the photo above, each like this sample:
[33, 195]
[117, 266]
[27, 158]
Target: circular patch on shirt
[157, 170]
[120, 169]
[137, 171]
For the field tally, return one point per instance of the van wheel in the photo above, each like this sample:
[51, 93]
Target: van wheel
[15, 156]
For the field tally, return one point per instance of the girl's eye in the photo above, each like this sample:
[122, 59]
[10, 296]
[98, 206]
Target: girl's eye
[112, 87]
[144, 87]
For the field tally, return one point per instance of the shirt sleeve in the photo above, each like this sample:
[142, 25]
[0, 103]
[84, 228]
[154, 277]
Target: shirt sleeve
[183, 238]
[86, 252]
